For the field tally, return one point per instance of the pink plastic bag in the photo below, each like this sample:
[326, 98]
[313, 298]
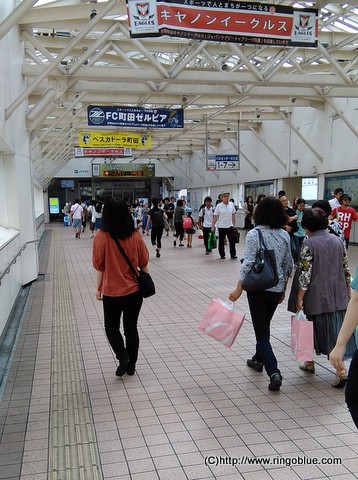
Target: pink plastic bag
[302, 337]
[221, 322]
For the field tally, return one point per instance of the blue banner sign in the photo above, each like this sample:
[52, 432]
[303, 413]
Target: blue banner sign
[135, 117]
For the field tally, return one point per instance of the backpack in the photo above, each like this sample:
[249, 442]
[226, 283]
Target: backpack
[187, 223]
[158, 219]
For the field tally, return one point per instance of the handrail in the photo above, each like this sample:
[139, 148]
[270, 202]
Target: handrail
[13, 261]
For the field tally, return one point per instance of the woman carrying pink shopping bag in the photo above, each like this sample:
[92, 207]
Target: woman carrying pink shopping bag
[270, 219]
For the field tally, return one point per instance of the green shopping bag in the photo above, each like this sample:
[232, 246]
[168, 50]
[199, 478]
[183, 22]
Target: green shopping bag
[212, 241]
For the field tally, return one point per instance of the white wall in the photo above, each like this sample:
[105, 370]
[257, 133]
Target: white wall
[17, 213]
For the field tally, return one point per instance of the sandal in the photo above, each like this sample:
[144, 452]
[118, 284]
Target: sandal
[307, 367]
[340, 380]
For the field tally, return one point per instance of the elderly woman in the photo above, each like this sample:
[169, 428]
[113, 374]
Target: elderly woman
[324, 287]
[270, 218]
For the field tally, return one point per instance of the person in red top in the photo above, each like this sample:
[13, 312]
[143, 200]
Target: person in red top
[116, 284]
[345, 216]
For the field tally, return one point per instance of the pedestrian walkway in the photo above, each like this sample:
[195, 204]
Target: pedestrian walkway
[193, 410]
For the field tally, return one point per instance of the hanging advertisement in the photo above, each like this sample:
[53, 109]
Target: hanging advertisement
[135, 117]
[114, 139]
[102, 152]
[235, 22]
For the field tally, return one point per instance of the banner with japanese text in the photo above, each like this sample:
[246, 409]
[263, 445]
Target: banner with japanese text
[135, 117]
[102, 152]
[114, 139]
[235, 22]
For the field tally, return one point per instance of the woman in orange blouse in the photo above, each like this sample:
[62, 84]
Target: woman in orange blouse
[116, 284]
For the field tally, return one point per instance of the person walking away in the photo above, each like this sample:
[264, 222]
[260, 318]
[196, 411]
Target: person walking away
[324, 287]
[156, 219]
[225, 219]
[270, 218]
[205, 219]
[248, 208]
[91, 210]
[97, 216]
[345, 215]
[189, 227]
[77, 217]
[169, 211]
[336, 356]
[178, 223]
[116, 285]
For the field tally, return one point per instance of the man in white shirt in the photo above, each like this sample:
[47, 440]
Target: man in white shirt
[77, 217]
[225, 219]
[335, 202]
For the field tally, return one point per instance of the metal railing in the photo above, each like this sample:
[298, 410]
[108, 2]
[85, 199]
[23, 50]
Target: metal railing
[13, 261]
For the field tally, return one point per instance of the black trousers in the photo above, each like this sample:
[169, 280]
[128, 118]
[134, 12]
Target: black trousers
[179, 230]
[156, 234]
[262, 307]
[223, 232]
[113, 308]
[352, 388]
[206, 231]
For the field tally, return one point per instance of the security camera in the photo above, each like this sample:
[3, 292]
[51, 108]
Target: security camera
[93, 14]
[184, 98]
[224, 67]
[258, 115]
[292, 99]
[77, 94]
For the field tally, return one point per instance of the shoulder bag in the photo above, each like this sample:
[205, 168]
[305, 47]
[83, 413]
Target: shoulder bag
[263, 273]
[144, 280]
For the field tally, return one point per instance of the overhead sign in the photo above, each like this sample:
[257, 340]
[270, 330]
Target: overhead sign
[134, 170]
[223, 162]
[135, 117]
[102, 152]
[114, 139]
[235, 22]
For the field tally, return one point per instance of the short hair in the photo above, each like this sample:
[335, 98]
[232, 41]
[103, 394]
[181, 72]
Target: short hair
[117, 219]
[270, 212]
[300, 200]
[315, 219]
[155, 202]
[208, 199]
[281, 193]
[180, 202]
[323, 205]
[338, 190]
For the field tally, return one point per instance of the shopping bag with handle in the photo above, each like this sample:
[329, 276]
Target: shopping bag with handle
[221, 322]
[302, 337]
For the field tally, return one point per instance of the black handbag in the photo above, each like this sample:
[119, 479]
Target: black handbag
[263, 273]
[235, 234]
[144, 280]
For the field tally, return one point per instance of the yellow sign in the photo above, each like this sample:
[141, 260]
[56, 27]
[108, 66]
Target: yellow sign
[114, 139]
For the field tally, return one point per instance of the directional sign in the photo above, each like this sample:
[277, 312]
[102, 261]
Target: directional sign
[223, 162]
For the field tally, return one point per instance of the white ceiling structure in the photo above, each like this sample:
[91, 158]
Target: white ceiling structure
[79, 53]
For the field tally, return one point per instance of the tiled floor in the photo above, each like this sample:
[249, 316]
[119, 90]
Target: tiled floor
[193, 410]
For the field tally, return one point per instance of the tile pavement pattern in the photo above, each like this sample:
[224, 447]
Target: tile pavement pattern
[64, 415]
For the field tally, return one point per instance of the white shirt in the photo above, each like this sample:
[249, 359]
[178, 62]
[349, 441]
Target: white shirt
[76, 210]
[207, 215]
[224, 211]
[334, 203]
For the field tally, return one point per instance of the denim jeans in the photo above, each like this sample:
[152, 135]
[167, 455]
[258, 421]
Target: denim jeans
[262, 307]
[113, 308]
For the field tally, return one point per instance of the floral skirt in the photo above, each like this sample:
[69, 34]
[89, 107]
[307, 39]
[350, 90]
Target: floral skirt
[326, 327]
